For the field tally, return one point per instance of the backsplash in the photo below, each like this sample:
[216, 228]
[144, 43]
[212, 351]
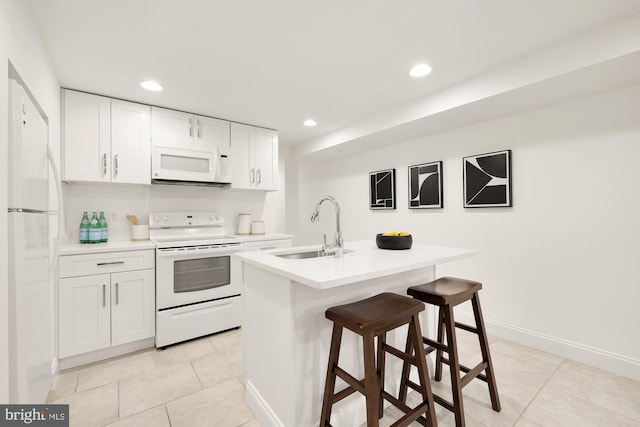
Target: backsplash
[119, 200]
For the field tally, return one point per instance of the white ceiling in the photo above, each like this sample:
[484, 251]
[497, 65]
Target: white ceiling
[276, 63]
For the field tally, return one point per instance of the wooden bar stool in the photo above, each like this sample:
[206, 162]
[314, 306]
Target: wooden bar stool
[370, 318]
[446, 293]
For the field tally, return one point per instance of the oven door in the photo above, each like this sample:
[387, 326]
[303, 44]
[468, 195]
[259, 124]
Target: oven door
[194, 274]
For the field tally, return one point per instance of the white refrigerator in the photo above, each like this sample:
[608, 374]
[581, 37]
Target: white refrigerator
[31, 348]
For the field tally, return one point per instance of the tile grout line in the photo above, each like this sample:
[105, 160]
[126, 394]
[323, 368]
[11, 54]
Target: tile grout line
[593, 403]
[539, 390]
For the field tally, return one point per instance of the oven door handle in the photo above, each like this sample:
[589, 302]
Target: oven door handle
[202, 253]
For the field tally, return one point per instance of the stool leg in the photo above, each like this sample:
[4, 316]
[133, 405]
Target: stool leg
[330, 382]
[486, 356]
[440, 338]
[382, 339]
[371, 380]
[454, 365]
[421, 361]
[406, 368]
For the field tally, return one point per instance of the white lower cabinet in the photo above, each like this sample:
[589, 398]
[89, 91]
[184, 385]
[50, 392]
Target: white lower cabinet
[113, 307]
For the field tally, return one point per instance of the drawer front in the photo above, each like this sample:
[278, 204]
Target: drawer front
[110, 262]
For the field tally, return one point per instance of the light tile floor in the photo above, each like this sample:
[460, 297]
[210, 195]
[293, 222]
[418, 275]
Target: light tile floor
[200, 383]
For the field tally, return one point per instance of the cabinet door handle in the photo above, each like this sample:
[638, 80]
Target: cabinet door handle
[199, 128]
[117, 295]
[104, 295]
[259, 175]
[253, 175]
[115, 166]
[191, 127]
[104, 164]
[100, 264]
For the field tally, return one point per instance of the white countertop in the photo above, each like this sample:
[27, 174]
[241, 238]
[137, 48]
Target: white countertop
[366, 262]
[110, 246]
[261, 237]
[130, 245]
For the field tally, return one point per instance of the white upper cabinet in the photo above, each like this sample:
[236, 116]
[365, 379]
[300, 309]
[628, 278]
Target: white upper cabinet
[87, 137]
[105, 140]
[254, 162]
[130, 142]
[176, 129]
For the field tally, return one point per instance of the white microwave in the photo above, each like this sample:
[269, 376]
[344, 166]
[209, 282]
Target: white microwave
[188, 167]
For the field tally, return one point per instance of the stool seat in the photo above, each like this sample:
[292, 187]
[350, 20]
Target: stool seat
[372, 318]
[379, 312]
[445, 291]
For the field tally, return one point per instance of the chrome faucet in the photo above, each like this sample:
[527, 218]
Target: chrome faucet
[338, 245]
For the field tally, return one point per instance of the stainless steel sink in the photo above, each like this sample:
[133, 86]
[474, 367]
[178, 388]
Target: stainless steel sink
[309, 254]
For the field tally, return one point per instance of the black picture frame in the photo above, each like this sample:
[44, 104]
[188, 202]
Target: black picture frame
[382, 189]
[487, 180]
[425, 186]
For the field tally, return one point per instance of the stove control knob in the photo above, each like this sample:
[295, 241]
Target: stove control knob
[165, 218]
[211, 217]
[218, 218]
[156, 218]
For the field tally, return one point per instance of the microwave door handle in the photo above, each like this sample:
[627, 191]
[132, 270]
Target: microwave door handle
[216, 162]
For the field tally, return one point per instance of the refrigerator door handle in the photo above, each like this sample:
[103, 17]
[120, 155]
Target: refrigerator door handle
[59, 212]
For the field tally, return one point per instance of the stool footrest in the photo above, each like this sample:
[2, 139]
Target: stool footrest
[411, 414]
[399, 354]
[467, 327]
[413, 385]
[355, 384]
[342, 394]
[442, 402]
[476, 372]
[434, 344]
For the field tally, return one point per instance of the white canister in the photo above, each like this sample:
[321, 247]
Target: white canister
[257, 227]
[244, 223]
[139, 232]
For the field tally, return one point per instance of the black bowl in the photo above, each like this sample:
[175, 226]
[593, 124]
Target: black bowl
[394, 242]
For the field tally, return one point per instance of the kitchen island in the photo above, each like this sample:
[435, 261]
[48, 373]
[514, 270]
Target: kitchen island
[286, 335]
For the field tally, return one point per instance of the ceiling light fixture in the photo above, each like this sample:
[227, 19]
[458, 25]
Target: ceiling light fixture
[420, 70]
[310, 123]
[151, 85]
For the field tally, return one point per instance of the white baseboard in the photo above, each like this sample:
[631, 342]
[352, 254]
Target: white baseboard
[260, 409]
[599, 358]
[94, 356]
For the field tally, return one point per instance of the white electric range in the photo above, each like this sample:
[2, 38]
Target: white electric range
[198, 283]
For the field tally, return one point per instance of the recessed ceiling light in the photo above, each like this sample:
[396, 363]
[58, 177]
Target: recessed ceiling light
[152, 86]
[420, 70]
[310, 123]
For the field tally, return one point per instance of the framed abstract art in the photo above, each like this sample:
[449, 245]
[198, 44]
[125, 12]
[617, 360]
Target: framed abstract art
[382, 189]
[487, 180]
[425, 186]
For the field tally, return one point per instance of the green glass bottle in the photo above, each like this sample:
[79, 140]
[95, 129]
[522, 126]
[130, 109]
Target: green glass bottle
[84, 228]
[104, 231]
[95, 233]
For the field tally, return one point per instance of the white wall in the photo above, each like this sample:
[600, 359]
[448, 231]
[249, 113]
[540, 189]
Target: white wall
[20, 44]
[120, 200]
[560, 268]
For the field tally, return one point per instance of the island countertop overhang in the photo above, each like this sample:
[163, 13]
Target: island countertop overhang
[366, 262]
